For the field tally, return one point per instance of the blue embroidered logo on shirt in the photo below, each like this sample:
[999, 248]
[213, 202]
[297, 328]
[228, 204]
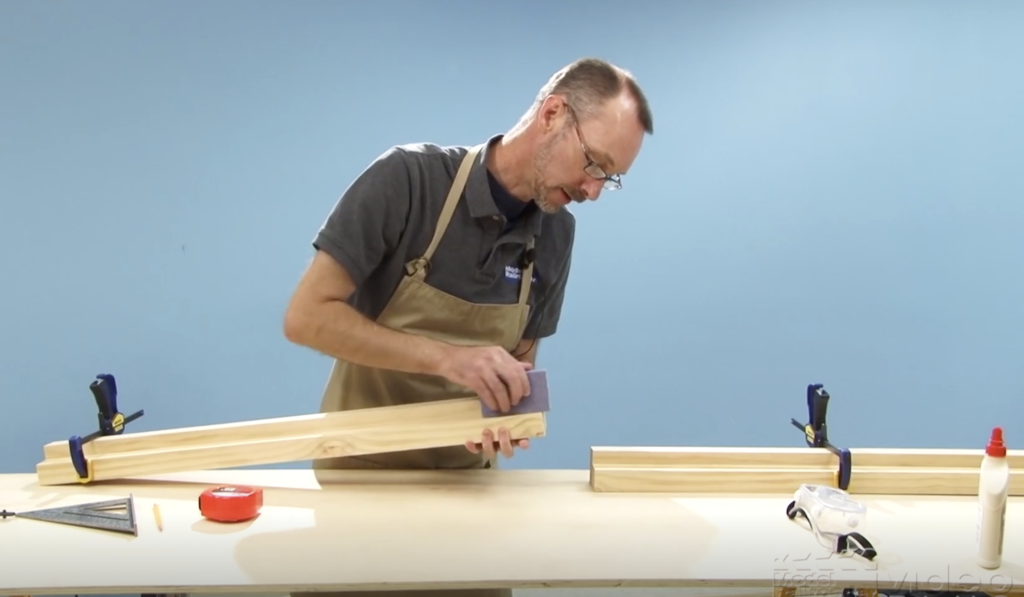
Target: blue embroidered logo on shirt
[513, 274]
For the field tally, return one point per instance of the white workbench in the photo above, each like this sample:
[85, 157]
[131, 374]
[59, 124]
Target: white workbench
[522, 529]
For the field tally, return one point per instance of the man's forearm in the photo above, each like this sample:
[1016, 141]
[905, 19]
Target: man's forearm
[338, 330]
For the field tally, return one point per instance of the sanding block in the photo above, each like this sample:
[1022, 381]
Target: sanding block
[535, 402]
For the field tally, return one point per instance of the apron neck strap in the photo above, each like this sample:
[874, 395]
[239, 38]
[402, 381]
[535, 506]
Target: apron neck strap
[418, 267]
[526, 278]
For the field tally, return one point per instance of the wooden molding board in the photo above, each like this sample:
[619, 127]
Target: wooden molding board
[285, 439]
[782, 470]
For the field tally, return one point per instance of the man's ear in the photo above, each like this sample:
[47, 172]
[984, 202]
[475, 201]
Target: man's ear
[550, 113]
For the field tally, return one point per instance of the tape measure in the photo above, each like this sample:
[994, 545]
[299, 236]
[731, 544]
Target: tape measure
[231, 503]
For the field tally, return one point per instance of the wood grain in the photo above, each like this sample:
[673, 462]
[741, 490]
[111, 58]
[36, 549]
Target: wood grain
[783, 470]
[287, 439]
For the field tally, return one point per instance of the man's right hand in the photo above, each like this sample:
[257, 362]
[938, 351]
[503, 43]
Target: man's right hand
[490, 371]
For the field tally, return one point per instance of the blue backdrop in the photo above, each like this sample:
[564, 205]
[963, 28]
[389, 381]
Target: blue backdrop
[833, 194]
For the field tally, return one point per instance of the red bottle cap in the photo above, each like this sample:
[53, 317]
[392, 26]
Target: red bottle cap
[996, 447]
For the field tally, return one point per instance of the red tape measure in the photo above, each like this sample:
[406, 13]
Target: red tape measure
[231, 503]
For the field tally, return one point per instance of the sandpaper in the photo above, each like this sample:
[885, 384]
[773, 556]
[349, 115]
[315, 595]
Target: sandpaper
[535, 402]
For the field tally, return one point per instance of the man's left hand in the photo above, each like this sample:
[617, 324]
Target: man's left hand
[490, 445]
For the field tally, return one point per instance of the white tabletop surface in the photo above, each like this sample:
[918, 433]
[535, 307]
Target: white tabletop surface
[537, 528]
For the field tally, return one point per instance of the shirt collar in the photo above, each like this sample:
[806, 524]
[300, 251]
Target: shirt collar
[481, 201]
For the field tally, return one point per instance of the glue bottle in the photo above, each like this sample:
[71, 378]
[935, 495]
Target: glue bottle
[993, 488]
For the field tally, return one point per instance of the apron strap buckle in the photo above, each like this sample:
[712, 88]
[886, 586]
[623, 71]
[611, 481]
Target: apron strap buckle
[420, 264]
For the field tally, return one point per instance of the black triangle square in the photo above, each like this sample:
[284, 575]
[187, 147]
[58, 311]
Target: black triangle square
[96, 515]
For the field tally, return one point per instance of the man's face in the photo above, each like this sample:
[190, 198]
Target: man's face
[573, 155]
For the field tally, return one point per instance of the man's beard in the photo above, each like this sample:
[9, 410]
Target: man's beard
[543, 204]
[540, 188]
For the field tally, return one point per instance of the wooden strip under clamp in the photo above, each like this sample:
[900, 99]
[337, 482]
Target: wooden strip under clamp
[287, 439]
[783, 470]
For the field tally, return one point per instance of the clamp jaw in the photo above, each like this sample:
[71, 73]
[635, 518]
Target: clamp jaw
[111, 422]
[816, 432]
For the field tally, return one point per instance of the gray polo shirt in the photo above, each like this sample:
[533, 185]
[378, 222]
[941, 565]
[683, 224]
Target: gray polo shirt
[387, 217]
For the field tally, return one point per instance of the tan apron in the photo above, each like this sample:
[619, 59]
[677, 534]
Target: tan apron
[418, 308]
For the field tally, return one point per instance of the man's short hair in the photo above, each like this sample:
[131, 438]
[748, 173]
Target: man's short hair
[590, 82]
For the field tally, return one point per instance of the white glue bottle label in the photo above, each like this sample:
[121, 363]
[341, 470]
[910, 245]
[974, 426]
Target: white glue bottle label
[993, 488]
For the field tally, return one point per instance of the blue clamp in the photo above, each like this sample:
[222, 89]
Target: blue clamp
[111, 422]
[816, 432]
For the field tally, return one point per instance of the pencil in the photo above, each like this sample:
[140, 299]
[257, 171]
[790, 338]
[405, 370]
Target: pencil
[159, 520]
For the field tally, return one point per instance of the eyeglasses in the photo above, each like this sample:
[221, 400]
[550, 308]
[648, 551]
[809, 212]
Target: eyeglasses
[611, 182]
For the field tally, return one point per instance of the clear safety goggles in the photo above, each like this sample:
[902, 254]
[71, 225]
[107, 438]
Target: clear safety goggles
[836, 520]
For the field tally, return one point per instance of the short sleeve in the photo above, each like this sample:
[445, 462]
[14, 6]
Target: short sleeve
[546, 314]
[367, 222]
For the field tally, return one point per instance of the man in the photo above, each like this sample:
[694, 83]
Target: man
[441, 268]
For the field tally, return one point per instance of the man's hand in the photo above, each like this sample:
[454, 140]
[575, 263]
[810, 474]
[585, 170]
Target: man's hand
[498, 378]
[504, 443]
